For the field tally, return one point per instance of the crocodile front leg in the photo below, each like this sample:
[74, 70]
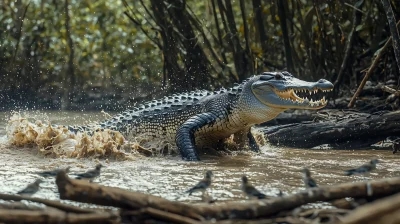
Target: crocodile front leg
[185, 139]
[252, 142]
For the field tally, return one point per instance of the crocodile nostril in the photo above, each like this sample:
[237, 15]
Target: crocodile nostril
[322, 80]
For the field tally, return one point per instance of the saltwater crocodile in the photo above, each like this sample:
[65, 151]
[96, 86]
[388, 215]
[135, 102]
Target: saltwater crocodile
[201, 119]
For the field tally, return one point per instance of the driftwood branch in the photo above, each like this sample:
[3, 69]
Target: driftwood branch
[265, 208]
[26, 216]
[391, 90]
[370, 70]
[20, 206]
[375, 212]
[82, 191]
[54, 204]
[160, 208]
[158, 215]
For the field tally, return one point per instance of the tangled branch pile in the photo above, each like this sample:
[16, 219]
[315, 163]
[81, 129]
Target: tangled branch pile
[133, 207]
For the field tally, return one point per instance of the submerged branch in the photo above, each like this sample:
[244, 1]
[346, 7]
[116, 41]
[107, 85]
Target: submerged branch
[83, 191]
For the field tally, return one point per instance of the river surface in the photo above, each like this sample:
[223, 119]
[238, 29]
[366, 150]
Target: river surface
[169, 177]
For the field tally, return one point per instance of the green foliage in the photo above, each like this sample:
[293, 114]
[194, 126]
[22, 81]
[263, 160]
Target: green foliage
[107, 46]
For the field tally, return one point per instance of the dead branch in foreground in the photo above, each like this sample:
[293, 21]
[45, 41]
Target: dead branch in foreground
[376, 212]
[82, 191]
[146, 213]
[52, 216]
[50, 203]
[109, 196]
[141, 208]
[265, 208]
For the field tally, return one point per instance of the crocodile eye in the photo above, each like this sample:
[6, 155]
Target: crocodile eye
[278, 76]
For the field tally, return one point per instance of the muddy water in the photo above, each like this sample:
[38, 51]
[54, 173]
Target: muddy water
[275, 168]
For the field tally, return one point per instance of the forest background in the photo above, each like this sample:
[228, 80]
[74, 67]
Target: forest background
[91, 55]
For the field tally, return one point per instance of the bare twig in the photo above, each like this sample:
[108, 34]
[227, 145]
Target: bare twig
[370, 70]
[137, 23]
[355, 8]
[390, 90]
[199, 28]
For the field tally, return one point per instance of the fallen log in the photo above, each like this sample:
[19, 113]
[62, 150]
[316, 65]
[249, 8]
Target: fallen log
[266, 208]
[376, 212]
[83, 191]
[52, 216]
[346, 133]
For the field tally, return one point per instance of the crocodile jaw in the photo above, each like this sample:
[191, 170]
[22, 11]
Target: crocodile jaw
[289, 97]
[283, 91]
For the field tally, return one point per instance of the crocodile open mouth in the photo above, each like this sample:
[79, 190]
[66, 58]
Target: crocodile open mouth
[311, 97]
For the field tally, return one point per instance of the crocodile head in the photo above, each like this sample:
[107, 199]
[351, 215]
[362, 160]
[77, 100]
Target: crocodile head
[282, 90]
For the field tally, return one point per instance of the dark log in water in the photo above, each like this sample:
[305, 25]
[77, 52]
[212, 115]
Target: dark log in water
[347, 132]
[83, 191]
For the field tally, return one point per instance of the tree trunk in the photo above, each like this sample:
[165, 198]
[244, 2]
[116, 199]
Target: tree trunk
[243, 63]
[347, 132]
[69, 79]
[257, 10]
[286, 41]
